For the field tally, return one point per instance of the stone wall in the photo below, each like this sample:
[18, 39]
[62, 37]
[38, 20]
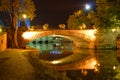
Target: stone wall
[107, 40]
[3, 41]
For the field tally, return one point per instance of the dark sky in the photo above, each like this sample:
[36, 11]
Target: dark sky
[55, 12]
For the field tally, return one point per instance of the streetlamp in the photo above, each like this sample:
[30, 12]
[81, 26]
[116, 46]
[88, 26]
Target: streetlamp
[27, 22]
[24, 16]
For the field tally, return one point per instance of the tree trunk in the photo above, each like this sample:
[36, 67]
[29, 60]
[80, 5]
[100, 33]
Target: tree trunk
[14, 31]
[14, 38]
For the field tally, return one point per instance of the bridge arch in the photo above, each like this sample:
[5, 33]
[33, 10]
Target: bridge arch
[75, 35]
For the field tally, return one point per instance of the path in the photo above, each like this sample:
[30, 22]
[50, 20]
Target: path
[15, 66]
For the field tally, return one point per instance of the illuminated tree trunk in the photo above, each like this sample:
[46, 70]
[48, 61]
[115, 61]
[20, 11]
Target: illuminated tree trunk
[16, 30]
[14, 38]
[14, 27]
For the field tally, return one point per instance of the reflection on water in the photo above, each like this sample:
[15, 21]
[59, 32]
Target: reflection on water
[93, 64]
[53, 44]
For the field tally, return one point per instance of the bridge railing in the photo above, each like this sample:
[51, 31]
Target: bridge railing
[87, 35]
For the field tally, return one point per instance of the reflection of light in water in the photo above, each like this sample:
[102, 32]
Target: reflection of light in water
[55, 62]
[50, 45]
[55, 51]
[90, 64]
[58, 44]
[114, 67]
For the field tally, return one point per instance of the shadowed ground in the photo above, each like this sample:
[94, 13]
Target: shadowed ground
[18, 64]
[15, 66]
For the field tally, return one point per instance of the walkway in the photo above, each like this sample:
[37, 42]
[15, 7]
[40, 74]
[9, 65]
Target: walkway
[15, 66]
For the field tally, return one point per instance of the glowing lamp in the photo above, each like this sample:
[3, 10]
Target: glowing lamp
[24, 16]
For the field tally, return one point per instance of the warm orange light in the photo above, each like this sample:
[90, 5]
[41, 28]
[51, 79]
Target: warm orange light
[90, 64]
[24, 16]
[55, 62]
[29, 35]
[114, 67]
[90, 34]
[113, 30]
[0, 28]
[93, 64]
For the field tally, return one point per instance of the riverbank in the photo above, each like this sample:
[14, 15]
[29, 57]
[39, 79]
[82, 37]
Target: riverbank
[24, 64]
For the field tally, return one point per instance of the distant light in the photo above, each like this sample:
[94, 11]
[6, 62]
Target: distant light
[87, 6]
[114, 67]
[0, 30]
[24, 16]
[113, 30]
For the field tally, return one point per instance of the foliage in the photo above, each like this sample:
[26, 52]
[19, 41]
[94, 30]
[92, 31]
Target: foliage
[106, 17]
[71, 23]
[77, 20]
[117, 77]
[15, 9]
[18, 8]
[105, 73]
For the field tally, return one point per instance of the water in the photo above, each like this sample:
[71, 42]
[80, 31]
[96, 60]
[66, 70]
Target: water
[57, 46]
[52, 44]
[90, 64]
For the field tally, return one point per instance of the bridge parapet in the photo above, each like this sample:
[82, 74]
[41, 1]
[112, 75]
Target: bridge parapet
[103, 40]
[86, 35]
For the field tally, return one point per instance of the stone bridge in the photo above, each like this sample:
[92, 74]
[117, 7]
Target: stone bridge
[87, 36]
[80, 38]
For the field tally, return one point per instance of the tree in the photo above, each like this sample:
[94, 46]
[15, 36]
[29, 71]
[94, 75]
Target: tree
[71, 23]
[78, 20]
[106, 17]
[15, 9]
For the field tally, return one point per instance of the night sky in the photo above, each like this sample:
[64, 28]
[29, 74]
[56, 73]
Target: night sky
[55, 12]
